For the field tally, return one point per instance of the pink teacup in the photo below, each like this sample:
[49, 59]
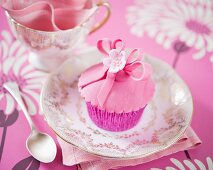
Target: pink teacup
[48, 49]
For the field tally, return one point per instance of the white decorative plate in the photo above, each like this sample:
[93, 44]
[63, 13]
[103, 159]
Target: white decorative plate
[163, 122]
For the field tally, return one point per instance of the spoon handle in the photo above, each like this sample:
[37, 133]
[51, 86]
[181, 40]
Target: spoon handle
[13, 89]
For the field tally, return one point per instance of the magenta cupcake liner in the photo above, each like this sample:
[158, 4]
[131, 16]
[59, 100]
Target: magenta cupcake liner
[114, 121]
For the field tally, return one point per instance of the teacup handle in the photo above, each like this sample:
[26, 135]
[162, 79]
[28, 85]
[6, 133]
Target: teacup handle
[106, 17]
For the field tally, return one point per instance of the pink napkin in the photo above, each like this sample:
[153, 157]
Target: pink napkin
[72, 155]
[49, 15]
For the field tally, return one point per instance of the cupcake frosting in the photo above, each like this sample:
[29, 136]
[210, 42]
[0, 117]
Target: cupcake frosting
[122, 83]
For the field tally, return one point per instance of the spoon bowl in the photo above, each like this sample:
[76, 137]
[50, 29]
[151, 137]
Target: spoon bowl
[40, 145]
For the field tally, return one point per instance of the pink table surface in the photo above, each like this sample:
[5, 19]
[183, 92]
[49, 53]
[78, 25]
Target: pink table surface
[198, 74]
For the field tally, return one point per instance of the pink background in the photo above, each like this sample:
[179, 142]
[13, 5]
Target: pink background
[198, 74]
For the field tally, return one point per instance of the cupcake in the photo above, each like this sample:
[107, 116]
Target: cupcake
[117, 90]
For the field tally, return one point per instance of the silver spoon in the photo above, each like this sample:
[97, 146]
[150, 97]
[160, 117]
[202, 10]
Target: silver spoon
[40, 145]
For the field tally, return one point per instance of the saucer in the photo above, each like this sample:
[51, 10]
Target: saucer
[163, 122]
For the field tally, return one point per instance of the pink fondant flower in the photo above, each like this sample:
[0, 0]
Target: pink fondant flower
[116, 60]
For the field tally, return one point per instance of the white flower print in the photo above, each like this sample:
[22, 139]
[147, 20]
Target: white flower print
[167, 21]
[14, 66]
[191, 165]
[116, 60]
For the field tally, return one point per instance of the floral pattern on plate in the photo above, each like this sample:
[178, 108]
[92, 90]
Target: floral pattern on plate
[163, 122]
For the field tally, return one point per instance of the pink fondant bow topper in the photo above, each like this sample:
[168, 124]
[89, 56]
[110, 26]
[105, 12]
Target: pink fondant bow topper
[117, 60]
